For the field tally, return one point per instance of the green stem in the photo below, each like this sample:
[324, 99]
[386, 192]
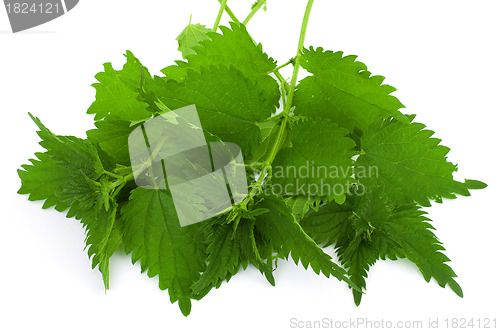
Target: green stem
[286, 112]
[303, 28]
[282, 66]
[117, 190]
[219, 15]
[121, 168]
[283, 86]
[116, 176]
[293, 83]
[230, 13]
[255, 9]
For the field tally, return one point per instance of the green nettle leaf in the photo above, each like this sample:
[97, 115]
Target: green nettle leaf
[306, 168]
[300, 205]
[42, 179]
[229, 104]
[413, 233]
[269, 131]
[249, 247]
[223, 258]
[326, 224]
[284, 233]
[70, 176]
[75, 154]
[190, 37]
[154, 236]
[118, 91]
[366, 229]
[103, 236]
[330, 161]
[343, 90]
[234, 47]
[112, 135]
[409, 164]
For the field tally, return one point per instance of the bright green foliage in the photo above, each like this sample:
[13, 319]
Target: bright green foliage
[269, 131]
[223, 258]
[76, 154]
[191, 37]
[112, 134]
[234, 47]
[339, 165]
[410, 229]
[103, 237]
[253, 249]
[411, 165]
[229, 103]
[366, 229]
[48, 180]
[305, 164]
[154, 236]
[117, 91]
[42, 179]
[70, 175]
[285, 234]
[343, 90]
[300, 205]
[232, 247]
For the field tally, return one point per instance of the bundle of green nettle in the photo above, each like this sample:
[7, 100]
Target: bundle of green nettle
[340, 115]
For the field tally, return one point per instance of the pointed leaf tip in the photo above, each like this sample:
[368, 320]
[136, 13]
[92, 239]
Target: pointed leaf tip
[455, 287]
[185, 306]
[475, 184]
[357, 297]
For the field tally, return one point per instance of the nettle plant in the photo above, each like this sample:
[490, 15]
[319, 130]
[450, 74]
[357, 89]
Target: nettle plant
[331, 161]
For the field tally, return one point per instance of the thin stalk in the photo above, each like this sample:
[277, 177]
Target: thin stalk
[287, 106]
[293, 83]
[282, 66]
[122, 168]
[255, 9]
[219, 14]
[283, 86]
[286, 112]
[117, 190]
[116, 176]
[231, 14]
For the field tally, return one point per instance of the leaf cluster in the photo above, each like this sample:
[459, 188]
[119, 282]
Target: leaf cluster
[342, 119]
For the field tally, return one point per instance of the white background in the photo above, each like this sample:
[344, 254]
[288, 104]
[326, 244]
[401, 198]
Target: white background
[441, 55]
